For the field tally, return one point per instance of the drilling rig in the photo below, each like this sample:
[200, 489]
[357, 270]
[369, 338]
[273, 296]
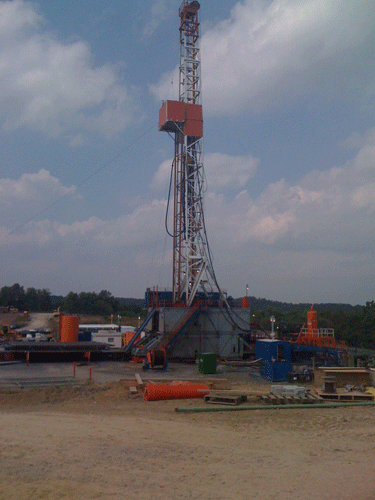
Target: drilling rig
[195, 315]
[192, 264]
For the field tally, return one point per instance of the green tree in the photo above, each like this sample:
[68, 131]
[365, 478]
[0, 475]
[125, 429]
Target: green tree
[13, 296]
[70, 304]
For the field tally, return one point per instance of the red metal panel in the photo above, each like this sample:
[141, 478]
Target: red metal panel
[194, 112]
[162, 115]
[194, 128]
[171, 111]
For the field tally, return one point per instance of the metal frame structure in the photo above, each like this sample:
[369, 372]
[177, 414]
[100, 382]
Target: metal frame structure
[190, 64]
[192, 266]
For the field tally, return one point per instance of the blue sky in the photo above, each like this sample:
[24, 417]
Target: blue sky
[289, 142]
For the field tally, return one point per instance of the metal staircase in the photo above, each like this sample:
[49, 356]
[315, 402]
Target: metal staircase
[159, 341]
[134, 341]
[143, 346]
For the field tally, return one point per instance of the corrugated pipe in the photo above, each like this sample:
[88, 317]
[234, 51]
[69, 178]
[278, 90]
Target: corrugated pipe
[175, 390]
[272, 407]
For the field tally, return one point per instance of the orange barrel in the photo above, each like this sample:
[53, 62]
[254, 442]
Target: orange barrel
[312, 321]
[69, 326]
[174, 390]
[245, 303]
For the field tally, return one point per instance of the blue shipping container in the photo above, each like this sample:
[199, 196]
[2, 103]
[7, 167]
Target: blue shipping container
[273, 350]
[276, 372]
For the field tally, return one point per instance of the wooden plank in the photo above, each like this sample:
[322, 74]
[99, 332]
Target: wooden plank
[343, 370]
[340, 395]
[305, 400]
[139, 380]
[225, 400]
[316, 395]
[240, 392]
[314, 398]
[289, 400]
[296, 400]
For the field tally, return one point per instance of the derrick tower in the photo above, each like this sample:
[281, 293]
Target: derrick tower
[192, 266]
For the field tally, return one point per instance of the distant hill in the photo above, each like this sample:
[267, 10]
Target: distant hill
[261, 304]
[131, 302]
[258, 304]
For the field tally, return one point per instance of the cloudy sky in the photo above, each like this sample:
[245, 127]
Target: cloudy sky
[289, 142]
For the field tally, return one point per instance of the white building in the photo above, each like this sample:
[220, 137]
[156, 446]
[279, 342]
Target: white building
[112, 338]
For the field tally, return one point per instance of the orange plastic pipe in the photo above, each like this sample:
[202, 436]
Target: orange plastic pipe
[180, 390]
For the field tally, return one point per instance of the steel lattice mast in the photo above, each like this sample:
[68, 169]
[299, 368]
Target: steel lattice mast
[192, 267]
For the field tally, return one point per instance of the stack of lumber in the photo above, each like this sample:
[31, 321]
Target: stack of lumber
[308, 398]
[345, 395]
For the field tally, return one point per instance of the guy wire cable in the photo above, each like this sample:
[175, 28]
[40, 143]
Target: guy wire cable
[90, 176]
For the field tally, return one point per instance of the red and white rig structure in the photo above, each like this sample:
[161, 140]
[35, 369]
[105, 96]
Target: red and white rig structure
[194, 316]
[192, 265]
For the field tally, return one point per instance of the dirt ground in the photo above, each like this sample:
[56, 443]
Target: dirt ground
[96, 441]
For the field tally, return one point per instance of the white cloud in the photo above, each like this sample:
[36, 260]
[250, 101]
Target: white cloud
[117, 254]
[270, 53]
[359, 141]
[160, 11]
[329, 210]
[32, 187]
[17, 15]
[364, 196]
[316, 233]
[162, 175]
[130, 230]
[222, 172]
[28, 195]
[52, 86]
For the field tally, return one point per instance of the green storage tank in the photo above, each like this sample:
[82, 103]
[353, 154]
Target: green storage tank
[207, 363]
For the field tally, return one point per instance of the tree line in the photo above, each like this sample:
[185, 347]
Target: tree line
[100, 304]
[353, 324]
[89, 303]
[25, 300]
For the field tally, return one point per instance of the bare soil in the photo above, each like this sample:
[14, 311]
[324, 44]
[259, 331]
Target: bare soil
[96, 441]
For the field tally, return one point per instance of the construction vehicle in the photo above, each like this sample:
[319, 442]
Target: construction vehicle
[7, 334]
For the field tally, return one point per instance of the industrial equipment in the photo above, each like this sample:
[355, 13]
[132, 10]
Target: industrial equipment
[192, 264]
[195, 316]
[318, 346]
[275, 356]
[7, 334]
